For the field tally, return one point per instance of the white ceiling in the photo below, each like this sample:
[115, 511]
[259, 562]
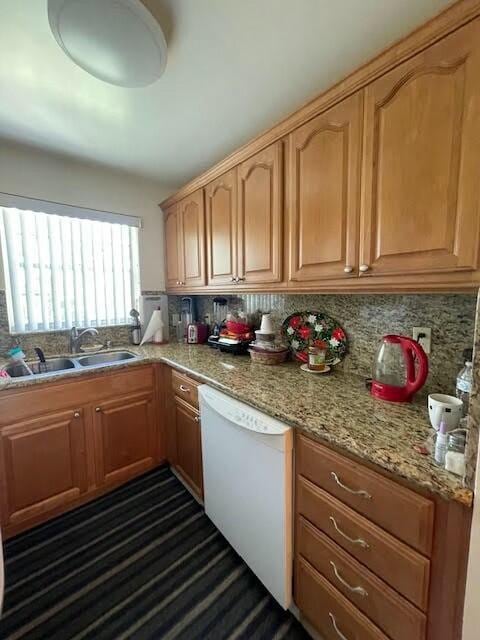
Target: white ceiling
[235, 67]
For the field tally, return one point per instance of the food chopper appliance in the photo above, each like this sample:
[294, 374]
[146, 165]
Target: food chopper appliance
[399, 370]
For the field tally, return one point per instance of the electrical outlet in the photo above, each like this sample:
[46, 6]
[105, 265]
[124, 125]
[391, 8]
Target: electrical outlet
[423, 335]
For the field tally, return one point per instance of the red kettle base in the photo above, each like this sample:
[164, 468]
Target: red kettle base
[390, 393]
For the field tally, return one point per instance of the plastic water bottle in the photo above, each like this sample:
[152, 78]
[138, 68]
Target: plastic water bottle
[464, 385]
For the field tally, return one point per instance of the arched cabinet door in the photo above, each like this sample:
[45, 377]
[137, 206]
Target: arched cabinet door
[173, 247]
[420, 202]
[324, 194]
[192, 230]
[221, 208]
[260, 217]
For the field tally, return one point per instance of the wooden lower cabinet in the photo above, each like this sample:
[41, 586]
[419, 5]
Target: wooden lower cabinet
[43, 465]
[125, 437]
[361, 572]
[64, 443]
[188, 445]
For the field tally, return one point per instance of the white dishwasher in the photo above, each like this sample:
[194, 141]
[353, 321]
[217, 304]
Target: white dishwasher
[247, 476]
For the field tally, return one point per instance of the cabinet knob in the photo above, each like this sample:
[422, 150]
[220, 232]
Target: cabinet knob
[348, 269]
[98, 409]
[364, 267]
[76, 414]
[182, 388]
[233, 279]
[197, 418]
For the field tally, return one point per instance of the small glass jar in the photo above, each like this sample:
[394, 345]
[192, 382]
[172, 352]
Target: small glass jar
[455, 456]
[316, 358]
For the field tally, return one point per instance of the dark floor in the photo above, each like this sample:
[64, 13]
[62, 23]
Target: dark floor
[142, 562]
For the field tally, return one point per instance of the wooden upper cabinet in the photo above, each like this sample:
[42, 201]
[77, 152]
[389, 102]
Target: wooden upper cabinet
[221, 208]
[173, 247]
[42, 465]
[260, 217]
[324, 162]
[192, 245]
[420, 201]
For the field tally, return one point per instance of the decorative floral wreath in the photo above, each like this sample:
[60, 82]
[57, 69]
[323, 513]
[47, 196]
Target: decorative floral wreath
[313, 328]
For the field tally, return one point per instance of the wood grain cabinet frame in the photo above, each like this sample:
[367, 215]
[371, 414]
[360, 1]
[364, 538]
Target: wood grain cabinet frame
[380, 180]
[125, 437]
[323, 193]
[173, 248]
[42, 465]
[221, 210]
[260, 217]
[185, 243]
[421, 187]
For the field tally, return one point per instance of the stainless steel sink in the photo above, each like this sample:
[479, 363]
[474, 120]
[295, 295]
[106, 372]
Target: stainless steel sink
[54, 365]
[105, 358]
[39, 368]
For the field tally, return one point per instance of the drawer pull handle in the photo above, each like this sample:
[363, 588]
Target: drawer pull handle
[359, 492]
[184, 389]
[360, 541]
[337, 630]
[360, 590]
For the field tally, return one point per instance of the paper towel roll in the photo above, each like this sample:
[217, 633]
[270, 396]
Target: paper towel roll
[155, 325]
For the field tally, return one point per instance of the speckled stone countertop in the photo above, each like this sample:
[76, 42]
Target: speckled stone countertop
[335, 409]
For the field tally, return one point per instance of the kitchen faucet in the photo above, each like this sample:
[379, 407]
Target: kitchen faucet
[76, 338]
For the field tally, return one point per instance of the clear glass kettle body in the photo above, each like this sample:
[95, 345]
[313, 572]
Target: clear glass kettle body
[389, 366]
[400, 369]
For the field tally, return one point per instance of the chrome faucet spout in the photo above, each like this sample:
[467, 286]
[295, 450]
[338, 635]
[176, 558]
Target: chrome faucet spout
[76, 339]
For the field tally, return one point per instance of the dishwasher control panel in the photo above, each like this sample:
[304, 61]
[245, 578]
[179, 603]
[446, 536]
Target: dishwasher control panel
[241, 414]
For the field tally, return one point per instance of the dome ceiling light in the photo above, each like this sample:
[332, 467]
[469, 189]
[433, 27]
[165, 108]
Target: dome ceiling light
[117, 41]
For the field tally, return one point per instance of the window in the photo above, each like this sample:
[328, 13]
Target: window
[79, 268]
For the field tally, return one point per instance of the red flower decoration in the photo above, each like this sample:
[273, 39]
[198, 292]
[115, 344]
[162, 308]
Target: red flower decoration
[338, 334]
[305, 333]
[295, 322]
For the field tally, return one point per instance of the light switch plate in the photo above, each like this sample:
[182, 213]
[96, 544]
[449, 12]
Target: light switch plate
[426, 337]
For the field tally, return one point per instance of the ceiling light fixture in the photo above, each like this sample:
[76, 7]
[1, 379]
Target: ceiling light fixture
[117, 41]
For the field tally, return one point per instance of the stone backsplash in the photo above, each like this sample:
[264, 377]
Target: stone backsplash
[366, 318]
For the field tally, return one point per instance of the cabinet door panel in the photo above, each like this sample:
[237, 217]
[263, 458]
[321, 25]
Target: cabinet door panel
[221, 203]
[260, 216]
[324, 169]
[422, 144]
[189, 447]
[125, 438]
[173, 247]
[193, 240]
[43, 465]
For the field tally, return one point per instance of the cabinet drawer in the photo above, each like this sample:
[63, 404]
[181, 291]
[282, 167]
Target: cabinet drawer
[402, 568]
[394, 616]
[399, 511]
[185, 388]
[332, 615]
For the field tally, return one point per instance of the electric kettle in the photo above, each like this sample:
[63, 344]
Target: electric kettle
[399, 370]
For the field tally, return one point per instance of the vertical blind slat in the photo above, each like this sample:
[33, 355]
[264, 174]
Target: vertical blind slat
[61, 271]
[19, 319]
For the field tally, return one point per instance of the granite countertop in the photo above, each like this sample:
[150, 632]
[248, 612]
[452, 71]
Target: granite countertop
[335, 409]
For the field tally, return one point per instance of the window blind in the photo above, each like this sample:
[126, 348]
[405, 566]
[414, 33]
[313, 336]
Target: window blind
[63, 271]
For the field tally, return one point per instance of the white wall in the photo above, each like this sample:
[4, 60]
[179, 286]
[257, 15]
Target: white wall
[29, 172]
